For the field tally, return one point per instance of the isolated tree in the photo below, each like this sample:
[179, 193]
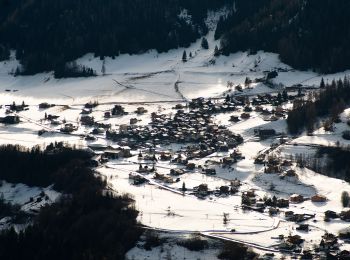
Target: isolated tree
[183, 187]
[247, 81]
[184, 56]
[103, 69]
[216, 51]
[205, 44]
[191, 55]
[345, 198]
[322, 85]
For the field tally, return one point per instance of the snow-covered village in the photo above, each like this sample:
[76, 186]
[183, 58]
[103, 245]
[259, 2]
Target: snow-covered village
[218, 153]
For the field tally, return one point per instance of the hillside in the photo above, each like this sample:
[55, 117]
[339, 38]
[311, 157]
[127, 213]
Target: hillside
[47, 34]
[307, 34]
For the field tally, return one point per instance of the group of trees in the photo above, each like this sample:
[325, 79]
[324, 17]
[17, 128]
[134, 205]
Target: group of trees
[331, 161]
[87, 222]
[40, 168]
[330, 101]
[306, 33]
[47, 34]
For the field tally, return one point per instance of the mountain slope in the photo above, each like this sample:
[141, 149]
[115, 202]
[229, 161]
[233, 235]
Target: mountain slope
[306, 33]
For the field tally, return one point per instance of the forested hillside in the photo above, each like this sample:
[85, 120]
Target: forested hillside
[48, 33]
[306, 33]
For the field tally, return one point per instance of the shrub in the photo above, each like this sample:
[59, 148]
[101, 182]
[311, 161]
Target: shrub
[152, 239]
[195, 243]
[345, 198]
[346, 135]
[232, 250]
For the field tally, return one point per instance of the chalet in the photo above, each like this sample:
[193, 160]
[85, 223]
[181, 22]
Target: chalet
[224, 190]
[288, 214]
[296, 198]
[97, 147]
[45, 105]
[201, 190]
[273, 211]
[247, 109]
[68, 128]
[286, 163]
[290, 173]
[144, 169]
[91, 105]
[234, 119]
[331, 214]
[97, 131]
[18, 108]
[133, 121]
[235, 183]
[165, 156]
[125, 151]
[265, 133]
[137, 179]
[282, 203]
[123, 129]
[228, 161]
[295, 239]
[107, 114]
[87, 120]
[209, 171]
[118, 110]
[111, 154]
[163, 178]
[303, 227]
[86, 111]
[245, 115]
[177, 172]
[10, 120]
[260, 159]
[140, 110]
[102, 125]
[190, 166]
[90, 138]
[248, 197]
[345, 215]
[51, 117]
[318, 198]
[344, 233]
[259, 108]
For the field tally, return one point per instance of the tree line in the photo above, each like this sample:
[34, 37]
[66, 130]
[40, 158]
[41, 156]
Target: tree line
[330, 101]
[307, 34]
[47, 34]
[86, 223]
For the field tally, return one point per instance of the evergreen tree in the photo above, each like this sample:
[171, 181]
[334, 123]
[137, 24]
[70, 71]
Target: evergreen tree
[184, 56]
[322, 85]
[204, 43]
[216, 51]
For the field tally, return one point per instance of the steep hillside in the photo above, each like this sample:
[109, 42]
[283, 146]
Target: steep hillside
[48, 33]
[306, 33]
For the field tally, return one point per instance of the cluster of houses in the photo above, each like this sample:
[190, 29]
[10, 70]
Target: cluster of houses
[194, 127]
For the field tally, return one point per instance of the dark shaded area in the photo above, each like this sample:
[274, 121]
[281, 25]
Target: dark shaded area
[306, 34]
[87, 223]
[35, 167]
[331, 101]
[48, 33]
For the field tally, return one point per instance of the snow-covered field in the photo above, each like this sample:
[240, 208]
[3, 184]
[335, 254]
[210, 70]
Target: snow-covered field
[158, 81]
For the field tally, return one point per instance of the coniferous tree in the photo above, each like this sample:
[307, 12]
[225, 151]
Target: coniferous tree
[216, 51]
[204, 43]
[184, 57]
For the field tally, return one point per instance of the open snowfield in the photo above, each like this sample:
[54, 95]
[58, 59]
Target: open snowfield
[158, 81]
